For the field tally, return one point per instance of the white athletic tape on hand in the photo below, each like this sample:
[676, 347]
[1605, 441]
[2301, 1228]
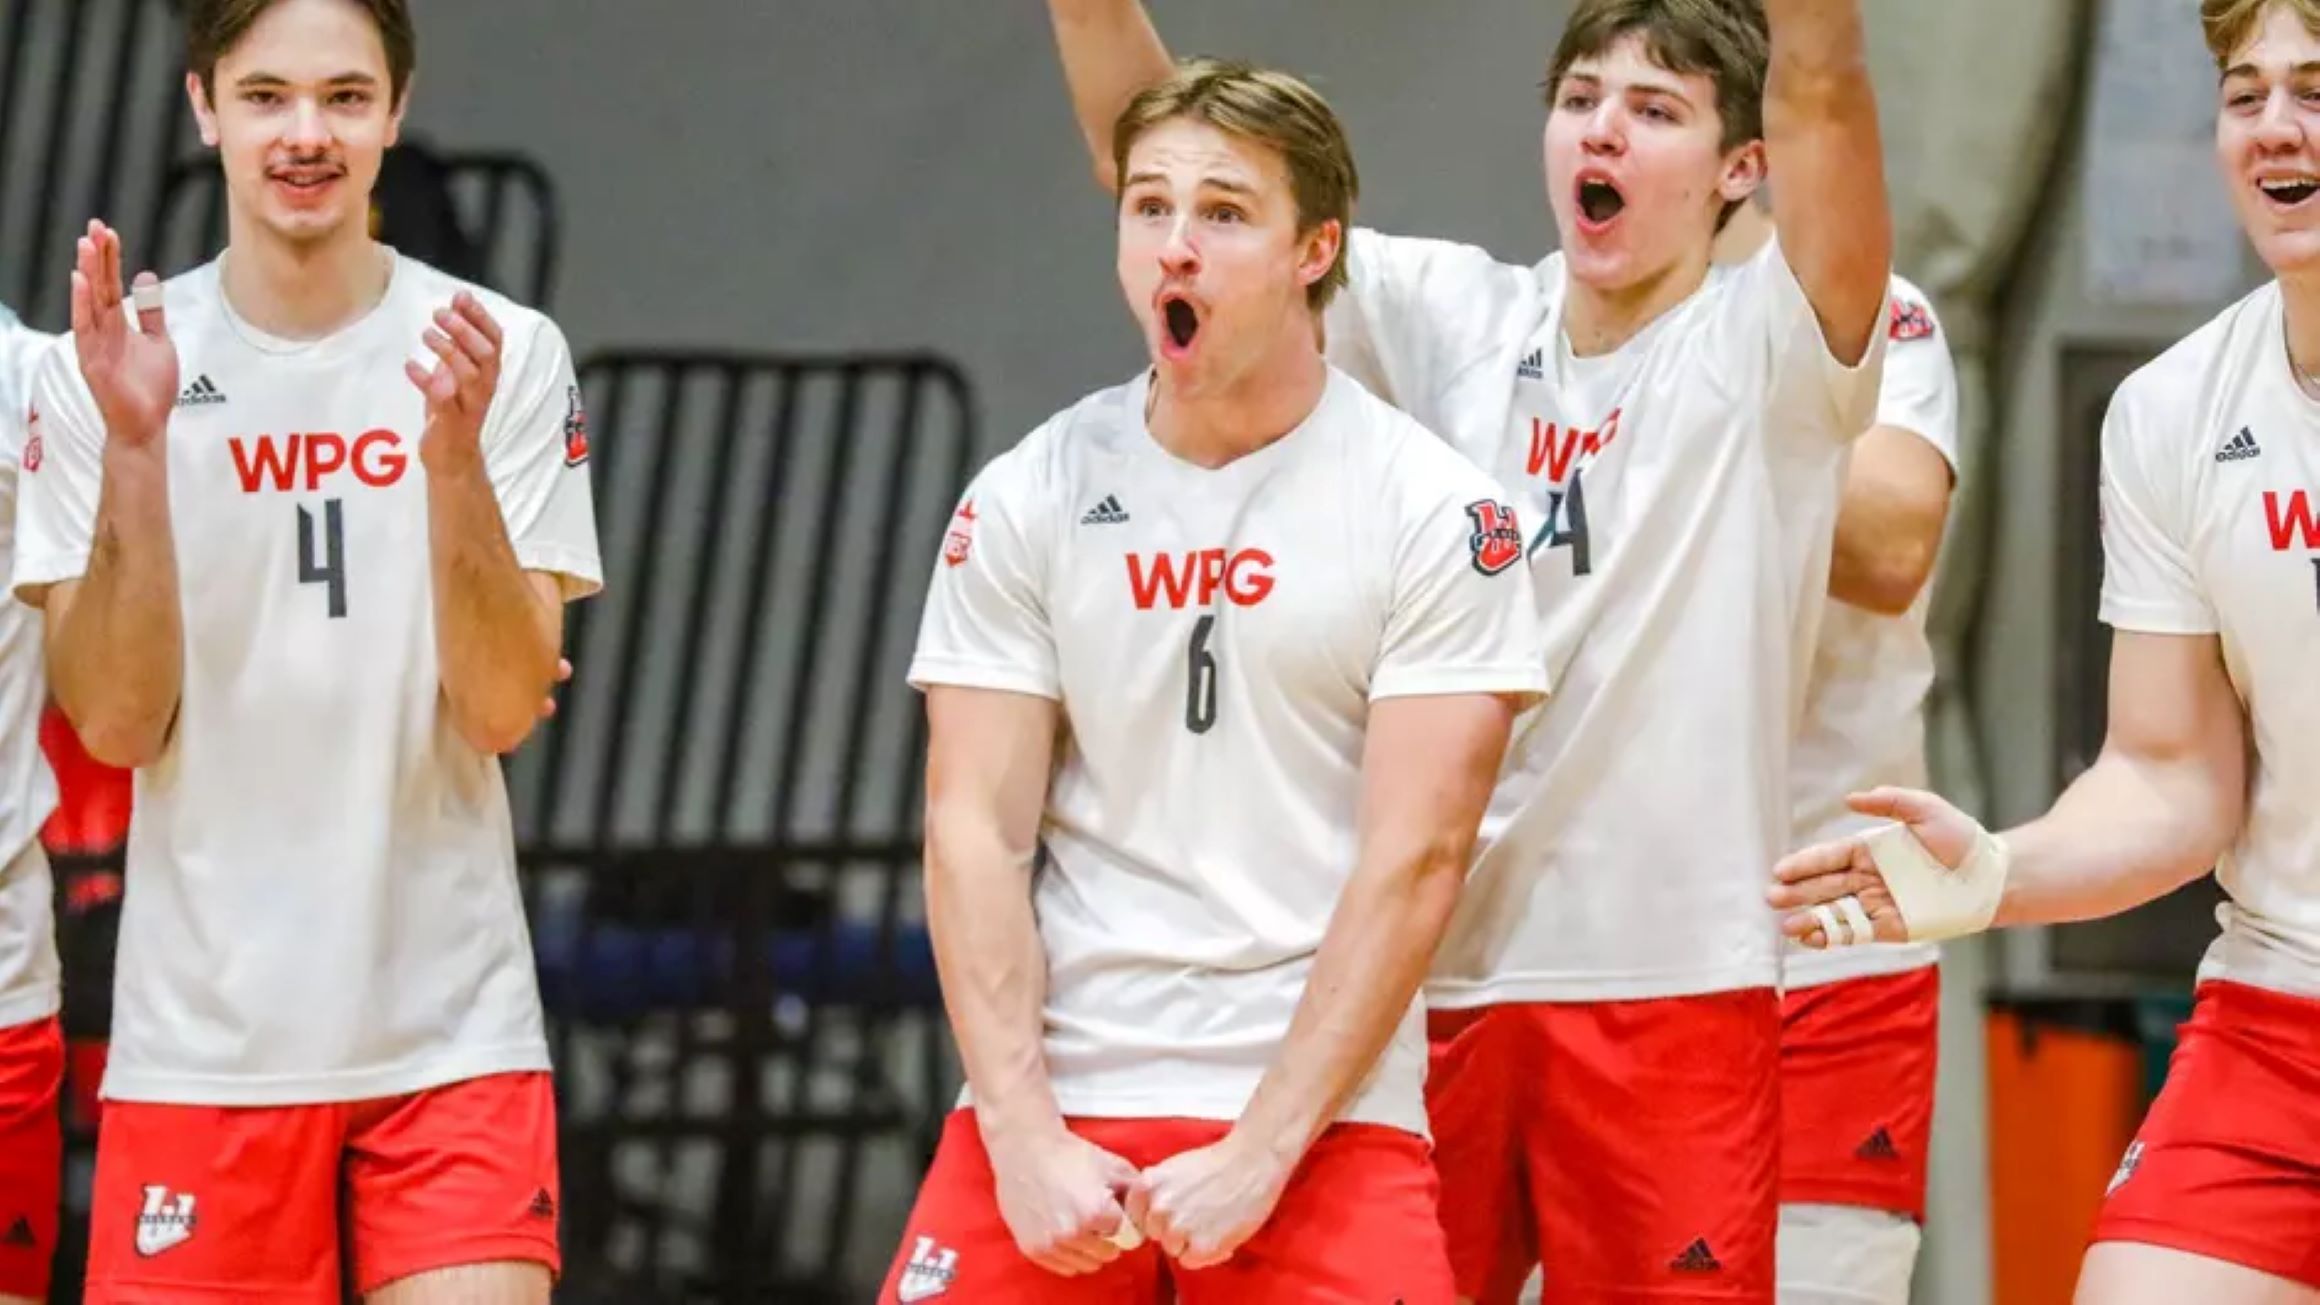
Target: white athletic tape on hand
[146, 296]
[1127, 1236]
[1831, 928]
[1857, 921]
[1935, 901]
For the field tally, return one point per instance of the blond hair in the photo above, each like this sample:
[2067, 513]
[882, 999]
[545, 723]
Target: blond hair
[1272, 109]
[2228, 24]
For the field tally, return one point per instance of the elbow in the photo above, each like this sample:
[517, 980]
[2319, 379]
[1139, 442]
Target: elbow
[1887, 584]
[499, 728]
[123, 745]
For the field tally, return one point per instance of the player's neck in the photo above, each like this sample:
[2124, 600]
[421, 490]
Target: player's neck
[305, 291]
[1210, 428]
[1598, 321]
[2300, 302]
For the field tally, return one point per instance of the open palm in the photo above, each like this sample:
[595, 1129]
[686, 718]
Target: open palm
[130, 367]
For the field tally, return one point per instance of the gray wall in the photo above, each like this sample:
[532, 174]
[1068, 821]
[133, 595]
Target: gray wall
[885, 173]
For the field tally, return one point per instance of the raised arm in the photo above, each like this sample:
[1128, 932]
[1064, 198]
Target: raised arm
[1827, 167]
[1890, 522]
[113, 627]
[988, 758]
[1110, 52]
[2154, 812]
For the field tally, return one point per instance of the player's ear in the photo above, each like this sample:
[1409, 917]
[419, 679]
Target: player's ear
[395, 111]
[1744, 171]
[1317, 251]
[204, 112]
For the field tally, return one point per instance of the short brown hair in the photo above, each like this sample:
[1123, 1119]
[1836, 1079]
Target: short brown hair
[214, 27]
[1273, 109]
[1725, 41]
[2229, 23]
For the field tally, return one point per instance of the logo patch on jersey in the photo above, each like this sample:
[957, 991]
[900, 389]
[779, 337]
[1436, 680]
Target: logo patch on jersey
[575, 429]
[20, 1233]
[2127, 1166]
[928, 1273]
[961, 539]
[32, 449]
[1911, 320]
[1697, 1258]
[1878, 1147]
[1497, 540]
[1107, 513]
[202, 393]
[165, 1222]
[2240, 447]
[1533, 367]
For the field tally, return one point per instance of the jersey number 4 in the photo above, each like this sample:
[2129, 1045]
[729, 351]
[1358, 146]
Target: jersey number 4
[325, 565]
[1567, 524]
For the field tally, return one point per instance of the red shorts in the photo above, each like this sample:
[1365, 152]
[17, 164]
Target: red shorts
[2227, 1164]
[1629, 1147]
[1357, 1226]
[31, 1154]
[1856, 1091]
[212, 1203]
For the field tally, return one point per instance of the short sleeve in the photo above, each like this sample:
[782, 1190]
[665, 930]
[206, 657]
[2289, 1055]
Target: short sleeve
[60, 473]
[2148, 583]
[536, 452]
[1461, 617]
[986, 623]
[1416, 314]
[1811, 398]
[1919, 393]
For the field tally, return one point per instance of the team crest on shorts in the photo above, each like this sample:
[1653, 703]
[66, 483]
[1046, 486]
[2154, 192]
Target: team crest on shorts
[575, 429]
[961, 539]
[165, 1222]
[1911, 320]
[929, 1272]
[2127, 1164]
[1497, 541]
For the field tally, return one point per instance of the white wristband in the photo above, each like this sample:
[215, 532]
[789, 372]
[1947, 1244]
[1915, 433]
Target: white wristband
[1935, 901]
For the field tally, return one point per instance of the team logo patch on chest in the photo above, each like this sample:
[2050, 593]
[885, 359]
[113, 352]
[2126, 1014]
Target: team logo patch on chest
[1497, 541]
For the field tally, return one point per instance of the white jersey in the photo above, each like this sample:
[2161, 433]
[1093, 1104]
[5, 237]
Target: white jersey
[1682, 490]
[322, 898]
[2211, 525]
[1864, 711]
[1215, 638]
[28, 968]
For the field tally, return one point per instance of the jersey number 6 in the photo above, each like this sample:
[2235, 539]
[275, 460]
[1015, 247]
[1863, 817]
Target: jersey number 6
[329, 568]
[1200, 679]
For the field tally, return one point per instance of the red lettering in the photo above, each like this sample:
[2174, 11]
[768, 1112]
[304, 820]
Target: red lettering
[1244, 576]
[325, 453]
[379, 460]
[1553, 448]
[1145, 589]
[1249, 578]
[266, 460]
[2291, 522]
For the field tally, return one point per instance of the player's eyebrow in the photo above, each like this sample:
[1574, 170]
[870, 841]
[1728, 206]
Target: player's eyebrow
[1228, 185]
[2245, 71]
[275, 81]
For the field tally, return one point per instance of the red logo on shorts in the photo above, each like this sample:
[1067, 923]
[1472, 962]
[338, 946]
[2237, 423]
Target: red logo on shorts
[961, 538]
[1497, 541]
[1911, 320]
[575, 430]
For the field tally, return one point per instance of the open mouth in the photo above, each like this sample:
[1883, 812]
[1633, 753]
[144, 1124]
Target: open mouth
[1600, 201]
[2289, 191]
[1182, 321]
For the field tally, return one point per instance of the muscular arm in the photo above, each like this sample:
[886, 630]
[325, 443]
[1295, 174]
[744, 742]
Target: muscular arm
[115, 637]
[988, 756]
[1828, 193]
[1110, 53]
[1889, 525]
[498, 628]
[1427, 769]
[2160, 804]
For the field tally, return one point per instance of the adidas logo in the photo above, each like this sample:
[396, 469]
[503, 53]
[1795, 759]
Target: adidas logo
[1697, 1258]
[1107, 513]
[928, 1273]
[203, 391]
[20, 1233]
[1878, 1147]
[2239, 447]
[543, 1205]
[1532, 368]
